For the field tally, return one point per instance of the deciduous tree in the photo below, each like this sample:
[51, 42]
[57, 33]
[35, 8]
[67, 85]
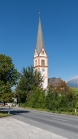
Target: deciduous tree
[8, 75]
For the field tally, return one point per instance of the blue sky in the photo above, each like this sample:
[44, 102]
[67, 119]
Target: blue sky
[18, 33]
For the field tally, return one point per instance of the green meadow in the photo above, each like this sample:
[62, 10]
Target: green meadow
[75, 91]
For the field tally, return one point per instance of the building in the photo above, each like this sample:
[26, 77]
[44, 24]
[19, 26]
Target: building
[40, 57]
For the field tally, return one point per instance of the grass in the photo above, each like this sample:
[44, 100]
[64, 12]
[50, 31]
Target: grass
[75, 90]
[58, 112]
[4, 114]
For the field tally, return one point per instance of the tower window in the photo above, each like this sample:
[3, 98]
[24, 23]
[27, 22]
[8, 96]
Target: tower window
[35, 62]
[42, 62]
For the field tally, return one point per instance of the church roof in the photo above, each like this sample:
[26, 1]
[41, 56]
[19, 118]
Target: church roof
[40, 42]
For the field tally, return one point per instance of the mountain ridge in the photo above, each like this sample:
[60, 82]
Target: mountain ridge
[73, 82]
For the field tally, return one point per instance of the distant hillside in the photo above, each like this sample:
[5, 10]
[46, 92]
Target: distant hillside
[54, 81]
[75, 90]
[73, 82]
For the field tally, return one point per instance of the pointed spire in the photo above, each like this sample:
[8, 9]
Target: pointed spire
[40, 43]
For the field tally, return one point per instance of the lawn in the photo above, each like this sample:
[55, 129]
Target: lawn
[4, 114]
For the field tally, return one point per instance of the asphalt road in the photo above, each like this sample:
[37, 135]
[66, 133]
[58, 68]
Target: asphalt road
[66, 126]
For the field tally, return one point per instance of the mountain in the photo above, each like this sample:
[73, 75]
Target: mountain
[73, 82]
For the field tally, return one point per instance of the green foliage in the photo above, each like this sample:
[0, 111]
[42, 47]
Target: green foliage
[75, 91]
[52, 100]
[75, 96]
[77, 105]
[4, 88]
[8, 77]
[22, 95]
[7, 97]
[29, 81]
[7, 71]
[56, 98]
[29, 90]
[63, 102]
[36, 99]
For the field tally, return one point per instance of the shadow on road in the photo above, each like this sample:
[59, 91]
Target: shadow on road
[13, 111]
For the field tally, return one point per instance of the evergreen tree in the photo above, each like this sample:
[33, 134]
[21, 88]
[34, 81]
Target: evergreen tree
[29, 81]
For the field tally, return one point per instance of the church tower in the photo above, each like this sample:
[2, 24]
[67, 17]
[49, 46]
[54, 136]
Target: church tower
[40, 57]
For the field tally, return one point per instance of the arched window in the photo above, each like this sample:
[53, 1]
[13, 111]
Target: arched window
[42, 62]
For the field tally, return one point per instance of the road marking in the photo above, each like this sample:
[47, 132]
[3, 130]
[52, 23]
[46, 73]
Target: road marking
[59, 119]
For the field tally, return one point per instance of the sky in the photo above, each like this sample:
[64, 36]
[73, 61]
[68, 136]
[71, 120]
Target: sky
[18, 33]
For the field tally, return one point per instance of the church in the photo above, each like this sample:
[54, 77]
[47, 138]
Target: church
[40, 56]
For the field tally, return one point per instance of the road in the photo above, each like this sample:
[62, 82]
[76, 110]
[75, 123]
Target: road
[64, 125]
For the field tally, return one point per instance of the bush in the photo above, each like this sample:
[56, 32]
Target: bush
[70, 109]
[62, 102]
[36, 99]
[62, 109]
[77, 105]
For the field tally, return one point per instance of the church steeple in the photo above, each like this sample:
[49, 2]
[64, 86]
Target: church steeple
[40, 42]
[40, 57]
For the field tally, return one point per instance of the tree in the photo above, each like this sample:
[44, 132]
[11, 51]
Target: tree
[62, 88]
[36, 99]
[59, 97]
[7, 97]
[8, 75]
[52, 98]
[4, 88]
[29, 81]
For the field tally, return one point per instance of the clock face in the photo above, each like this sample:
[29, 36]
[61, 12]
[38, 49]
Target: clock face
[43, 70]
